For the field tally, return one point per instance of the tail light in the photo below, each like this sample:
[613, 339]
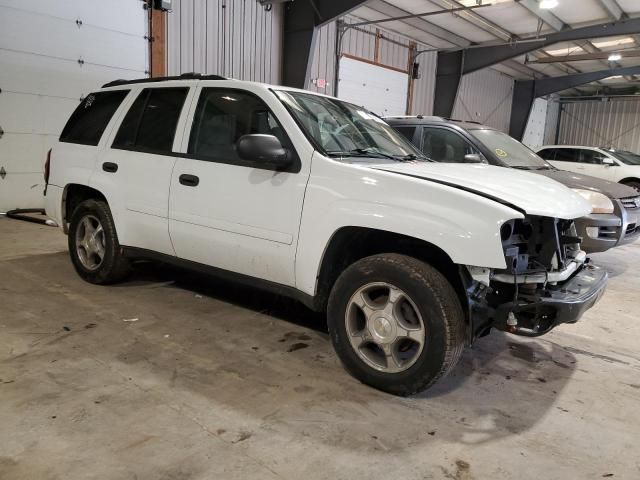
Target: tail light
[47, 167]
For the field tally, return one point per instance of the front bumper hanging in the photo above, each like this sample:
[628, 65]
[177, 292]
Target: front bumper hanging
[556, 304]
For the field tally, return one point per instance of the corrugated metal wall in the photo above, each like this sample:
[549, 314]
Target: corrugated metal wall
[613, 123]
[238, 38]
[485, 96]
[233, 38]
[393, 52]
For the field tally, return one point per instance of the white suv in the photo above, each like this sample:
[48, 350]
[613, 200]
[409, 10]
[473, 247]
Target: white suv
[610, 164]
[321, 200]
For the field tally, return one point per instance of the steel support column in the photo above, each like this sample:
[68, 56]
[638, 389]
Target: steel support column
[302, 19]
[526, 91]
[448, 74]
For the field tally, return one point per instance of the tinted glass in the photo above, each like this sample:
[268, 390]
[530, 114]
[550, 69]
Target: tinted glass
[566, 155]
[444, 145]
[547, 153]
[591, 156]
[407, 132]
[150, 125]
[223, 116]
[87, 123]
[341, 129]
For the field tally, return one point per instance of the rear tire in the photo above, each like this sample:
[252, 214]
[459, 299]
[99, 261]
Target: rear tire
[93, 244]
[396, 323]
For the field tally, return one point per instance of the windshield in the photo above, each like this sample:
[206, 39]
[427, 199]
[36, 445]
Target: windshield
[629, 158]
[340, 129]
[509, 150]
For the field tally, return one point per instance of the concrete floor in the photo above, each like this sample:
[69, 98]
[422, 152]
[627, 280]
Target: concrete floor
[212, 381]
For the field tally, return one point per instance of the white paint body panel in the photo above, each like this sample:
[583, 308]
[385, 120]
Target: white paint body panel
[276, 226]
[42, 80]
[614, 173]
[379, 89]
[544, 197]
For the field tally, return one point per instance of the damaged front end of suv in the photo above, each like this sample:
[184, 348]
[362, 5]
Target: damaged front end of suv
[548, 280]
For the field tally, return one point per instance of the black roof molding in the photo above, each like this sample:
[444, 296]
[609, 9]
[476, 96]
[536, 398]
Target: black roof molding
[184, 76]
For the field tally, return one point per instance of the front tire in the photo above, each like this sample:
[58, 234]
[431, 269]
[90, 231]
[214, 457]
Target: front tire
[93, 244]
[396, 323]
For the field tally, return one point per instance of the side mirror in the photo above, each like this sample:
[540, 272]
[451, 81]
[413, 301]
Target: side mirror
[265, 149]
[608, 162]
[473, 158]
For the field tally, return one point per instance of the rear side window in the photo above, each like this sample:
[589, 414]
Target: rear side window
[566, 155]
[87, 123]
[444, 145]
[150, 124]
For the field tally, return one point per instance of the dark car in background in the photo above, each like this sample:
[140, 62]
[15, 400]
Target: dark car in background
[615, 216]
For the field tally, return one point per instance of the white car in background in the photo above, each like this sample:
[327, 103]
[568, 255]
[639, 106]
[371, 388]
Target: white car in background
[614, 165]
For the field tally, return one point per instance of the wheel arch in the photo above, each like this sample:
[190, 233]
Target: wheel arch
[626, 180]
[73, 195]
[349, 244]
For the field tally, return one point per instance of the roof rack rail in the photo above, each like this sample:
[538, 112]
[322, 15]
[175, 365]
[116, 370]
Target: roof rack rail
[184, 76]
[463, 121]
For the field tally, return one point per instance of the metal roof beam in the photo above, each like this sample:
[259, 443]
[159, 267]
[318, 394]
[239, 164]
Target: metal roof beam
[545, 15]
[612, 8]
[599, 55]
[479, 57]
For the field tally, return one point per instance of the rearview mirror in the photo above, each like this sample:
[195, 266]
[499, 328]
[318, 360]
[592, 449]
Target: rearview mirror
[265, 149]
[608, 161]
[472, 158]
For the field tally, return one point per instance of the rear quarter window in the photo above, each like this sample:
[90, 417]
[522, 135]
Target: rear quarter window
[89, 120]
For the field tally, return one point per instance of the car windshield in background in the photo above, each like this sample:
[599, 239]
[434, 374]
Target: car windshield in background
[629, 158]
[509, 150]
[341, 129]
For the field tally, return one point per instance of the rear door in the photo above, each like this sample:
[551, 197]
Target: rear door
[134, 171]
[230, 213]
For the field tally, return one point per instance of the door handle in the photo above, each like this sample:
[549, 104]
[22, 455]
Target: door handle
[110, 167]
[189, 180]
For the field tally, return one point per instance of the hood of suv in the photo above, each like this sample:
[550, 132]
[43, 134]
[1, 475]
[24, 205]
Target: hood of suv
[534, 194]
[577, 180]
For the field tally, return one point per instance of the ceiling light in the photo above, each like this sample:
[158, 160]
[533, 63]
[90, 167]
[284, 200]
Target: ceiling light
[614, 57]
[547, 4]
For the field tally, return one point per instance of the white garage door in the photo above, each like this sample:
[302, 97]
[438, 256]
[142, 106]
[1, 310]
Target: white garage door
[52, 53]
[379, 89]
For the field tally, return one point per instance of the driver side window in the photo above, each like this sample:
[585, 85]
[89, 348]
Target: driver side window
[222, 117]
[443, 145]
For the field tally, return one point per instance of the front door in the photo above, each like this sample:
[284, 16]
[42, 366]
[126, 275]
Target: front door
[231, 213]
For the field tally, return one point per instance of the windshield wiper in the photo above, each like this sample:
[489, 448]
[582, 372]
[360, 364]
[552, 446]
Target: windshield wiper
[362, 152]
[531, 167]
[412, 156]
